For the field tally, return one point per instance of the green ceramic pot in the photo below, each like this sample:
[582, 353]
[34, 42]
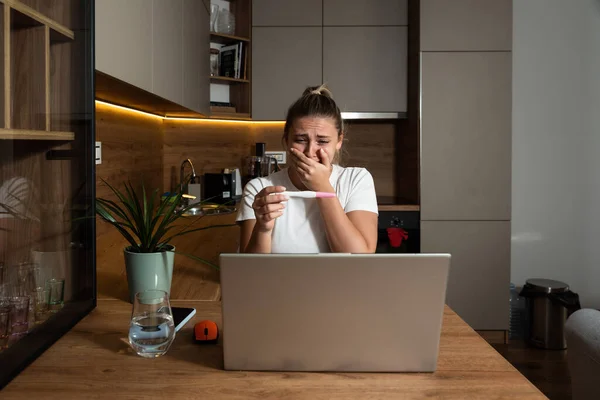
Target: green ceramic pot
[148, 271]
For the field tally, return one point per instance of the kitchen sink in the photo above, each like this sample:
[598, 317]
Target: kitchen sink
[208, 209]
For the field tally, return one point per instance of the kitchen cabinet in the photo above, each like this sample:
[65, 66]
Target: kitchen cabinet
[285, 60]
[287, 12]
[123, 36]
[466, 25]
[47, 172]
[365, 67]
[167, 49]
[365, 12]
[466, 136]
[160, 46]
[478, 283]
[362, 47]
[196, 47]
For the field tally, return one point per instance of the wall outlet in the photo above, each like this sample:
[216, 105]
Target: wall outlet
[278, 155]
[98, 152]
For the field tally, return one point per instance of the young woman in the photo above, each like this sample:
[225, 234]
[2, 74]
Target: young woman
[347, 223]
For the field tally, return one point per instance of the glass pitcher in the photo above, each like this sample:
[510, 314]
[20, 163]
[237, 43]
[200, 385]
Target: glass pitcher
[256, 167]
[268, 165]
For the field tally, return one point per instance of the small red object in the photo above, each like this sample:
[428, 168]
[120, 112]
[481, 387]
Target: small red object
[396, 235]
[206, 331]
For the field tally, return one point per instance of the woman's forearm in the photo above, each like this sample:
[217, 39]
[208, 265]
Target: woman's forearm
[342, 235]
[260, 242]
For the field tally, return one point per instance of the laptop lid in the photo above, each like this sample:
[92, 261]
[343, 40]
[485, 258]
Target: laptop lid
[332, 312]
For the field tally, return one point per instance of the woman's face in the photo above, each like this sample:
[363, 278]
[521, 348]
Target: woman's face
[310, 134]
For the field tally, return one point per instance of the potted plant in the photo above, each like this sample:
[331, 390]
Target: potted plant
[148, 223]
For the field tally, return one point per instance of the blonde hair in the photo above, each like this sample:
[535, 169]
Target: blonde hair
[316, 101]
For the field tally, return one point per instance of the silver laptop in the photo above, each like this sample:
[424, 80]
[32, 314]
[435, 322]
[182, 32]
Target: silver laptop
[333, 312]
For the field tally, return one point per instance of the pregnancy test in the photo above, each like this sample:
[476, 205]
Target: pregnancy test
[307, 194]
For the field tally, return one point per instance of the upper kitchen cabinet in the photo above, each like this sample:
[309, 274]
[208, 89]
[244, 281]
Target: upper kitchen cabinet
[361, 45]
[366, 67]
[158, 46]
[466, 136]
[196, 45]
[285, 62]
[167, 49]
[466, 25]
[287, 12]
[364, 12]
[123, 33]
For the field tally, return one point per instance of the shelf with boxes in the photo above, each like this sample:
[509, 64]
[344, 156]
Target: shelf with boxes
[230, 59]
[33, 49]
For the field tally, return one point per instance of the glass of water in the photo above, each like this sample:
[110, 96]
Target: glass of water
[151, 330]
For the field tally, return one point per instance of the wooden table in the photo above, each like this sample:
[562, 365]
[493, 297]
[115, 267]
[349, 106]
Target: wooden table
[94, 362]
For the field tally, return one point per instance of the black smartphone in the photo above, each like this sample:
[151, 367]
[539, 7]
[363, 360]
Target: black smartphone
[181, 316]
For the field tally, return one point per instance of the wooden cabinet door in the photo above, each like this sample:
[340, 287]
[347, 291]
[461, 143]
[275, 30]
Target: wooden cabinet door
[123, 31]
[167, 49]
[478, 284]
[284, 62]
[466, 136]
[466, 25]
[365, 12]
[196, 50]
[365, 67]
[287, 12]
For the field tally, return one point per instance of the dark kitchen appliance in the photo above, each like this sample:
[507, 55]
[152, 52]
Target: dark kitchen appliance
[221, 188]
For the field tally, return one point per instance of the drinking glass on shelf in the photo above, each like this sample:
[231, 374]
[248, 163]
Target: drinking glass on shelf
[4, 322]
[151, 330]
[214, 62]
[214, 13]
[25, 276]
[56, 294]
[18, 317]
[226, 22]
[40, 300]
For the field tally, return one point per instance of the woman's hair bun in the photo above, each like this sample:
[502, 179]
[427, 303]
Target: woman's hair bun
[318, 90]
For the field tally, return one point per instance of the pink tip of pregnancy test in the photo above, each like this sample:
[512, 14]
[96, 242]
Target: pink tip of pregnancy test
[325, 195]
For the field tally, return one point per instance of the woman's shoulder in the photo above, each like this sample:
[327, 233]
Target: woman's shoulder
[352, 173]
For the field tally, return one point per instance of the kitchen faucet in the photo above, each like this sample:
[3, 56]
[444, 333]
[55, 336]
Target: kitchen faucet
[182, 169]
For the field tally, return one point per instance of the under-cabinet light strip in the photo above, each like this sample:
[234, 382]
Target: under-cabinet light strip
[128, 109]
[187, 118]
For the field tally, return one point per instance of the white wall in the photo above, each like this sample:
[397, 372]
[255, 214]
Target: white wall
[556, 144]
[590, 271]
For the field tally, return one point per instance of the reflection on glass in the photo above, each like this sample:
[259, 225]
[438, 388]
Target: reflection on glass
[40, 299]
[18, 317]
[4, 322]
[56, 294]
[47, 184]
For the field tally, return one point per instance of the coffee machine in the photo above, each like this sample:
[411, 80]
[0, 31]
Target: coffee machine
[224, 187]
[260, 164]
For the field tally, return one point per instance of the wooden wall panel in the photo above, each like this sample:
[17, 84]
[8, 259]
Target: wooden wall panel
[131, 149]
[210, 145]
[372, 145]
[28, 72]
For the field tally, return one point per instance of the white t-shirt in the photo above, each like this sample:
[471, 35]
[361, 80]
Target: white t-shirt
[301, 229]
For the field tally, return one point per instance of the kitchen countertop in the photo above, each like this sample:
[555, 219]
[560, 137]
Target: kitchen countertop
[398, 207]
